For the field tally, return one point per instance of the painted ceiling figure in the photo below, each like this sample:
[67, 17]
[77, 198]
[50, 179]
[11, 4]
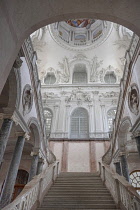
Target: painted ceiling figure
[81, 23]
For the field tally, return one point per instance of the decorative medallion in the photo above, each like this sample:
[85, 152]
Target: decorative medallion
[133, 99]
[27, 99]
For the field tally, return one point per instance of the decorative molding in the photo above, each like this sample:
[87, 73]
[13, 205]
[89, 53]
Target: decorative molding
[18, 62]
[18, 119]
[110, 68]
[110, 94]
[78, 96]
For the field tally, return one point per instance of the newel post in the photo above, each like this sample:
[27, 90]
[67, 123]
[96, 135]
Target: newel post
[40, 191]
[104, 179]
[100, 172]
[118, 193]
[53, 174]
[57, 168]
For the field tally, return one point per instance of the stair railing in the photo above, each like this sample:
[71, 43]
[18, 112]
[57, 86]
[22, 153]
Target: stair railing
[34, 192]
[123, 193]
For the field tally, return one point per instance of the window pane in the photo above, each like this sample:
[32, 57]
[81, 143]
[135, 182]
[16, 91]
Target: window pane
[50, 79]
[79, 124]
[110, 78]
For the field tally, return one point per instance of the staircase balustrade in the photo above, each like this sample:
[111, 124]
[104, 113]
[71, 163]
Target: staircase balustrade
[129, 62]
[123, 193]
[33, 193]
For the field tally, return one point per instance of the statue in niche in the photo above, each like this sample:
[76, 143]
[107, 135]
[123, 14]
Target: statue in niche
[94, 69]
[133, 99]
[27, 99]
[65, 74]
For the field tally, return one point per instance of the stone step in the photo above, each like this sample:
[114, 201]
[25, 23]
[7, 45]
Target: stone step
[82, 206]
[73, 174]
[78, 191]
[74, 208]
[72, 202]
[76, 197]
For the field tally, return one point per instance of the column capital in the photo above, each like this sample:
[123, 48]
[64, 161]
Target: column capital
[122, 153]
[56, 106]
[136, 134]
[5, 116]
[41, 160]
[22, 133]
[90, 105]
[35, 152]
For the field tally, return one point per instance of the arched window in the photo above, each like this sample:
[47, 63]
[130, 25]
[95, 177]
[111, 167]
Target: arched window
[48, 118]
[79, 124]
[110, 78]
[79, 74]
[135, 180]
[50, 79]
[110, 117]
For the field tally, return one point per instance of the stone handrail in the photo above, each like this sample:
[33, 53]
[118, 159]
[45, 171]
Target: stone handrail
[130, 56]
[33, 193]
[124, 194]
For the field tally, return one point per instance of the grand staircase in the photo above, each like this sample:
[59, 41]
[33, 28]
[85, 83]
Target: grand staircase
[78, 191]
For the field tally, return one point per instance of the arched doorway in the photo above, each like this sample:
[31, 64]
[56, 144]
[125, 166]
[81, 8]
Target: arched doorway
[79, 124]
[21, 181]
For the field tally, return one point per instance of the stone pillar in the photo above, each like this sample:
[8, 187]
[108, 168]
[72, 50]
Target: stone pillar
[118, 168]
[64, 165]
[4, 135]
[104, 118]
[91, 121]
[39, 165]
[55, 120]
[124, 165]
[67, 119]
[93, 165]
[34, 163]
[12, 173]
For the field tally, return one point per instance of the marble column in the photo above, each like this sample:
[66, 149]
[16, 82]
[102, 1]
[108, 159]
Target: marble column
[124, 165]
[34, 163]
[4, 135]
[138, 143]
[118, 168]
[39, 166]
[12, 173]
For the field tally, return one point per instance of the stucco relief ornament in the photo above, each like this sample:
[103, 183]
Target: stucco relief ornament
[133, 99]
[27, 99]
[78, 96]
[18, 63]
